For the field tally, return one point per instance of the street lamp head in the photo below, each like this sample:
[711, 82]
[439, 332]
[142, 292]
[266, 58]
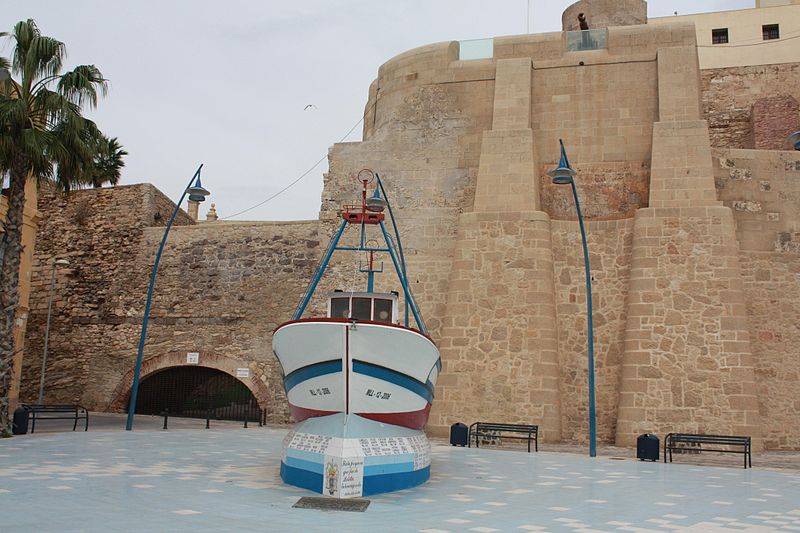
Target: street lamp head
[794, 140]
[197, 193]
[563, 174]
[61, 262]
[376, 202]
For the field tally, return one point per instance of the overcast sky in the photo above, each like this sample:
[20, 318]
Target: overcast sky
[227, 84]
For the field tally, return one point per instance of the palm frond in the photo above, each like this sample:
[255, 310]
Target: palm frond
[49, 108]
[13, 115]
[35, 56]
[24, 32]
[81, 84]
[43, 59]
[34, 145]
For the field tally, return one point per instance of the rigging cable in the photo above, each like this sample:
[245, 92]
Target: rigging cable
[304, 174]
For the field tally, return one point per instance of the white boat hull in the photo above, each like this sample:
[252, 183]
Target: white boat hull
[376, 370]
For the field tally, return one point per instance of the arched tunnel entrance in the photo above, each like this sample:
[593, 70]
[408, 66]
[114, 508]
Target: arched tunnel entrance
[196, 392]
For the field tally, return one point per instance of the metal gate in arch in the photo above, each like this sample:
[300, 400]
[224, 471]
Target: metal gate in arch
[196, 392]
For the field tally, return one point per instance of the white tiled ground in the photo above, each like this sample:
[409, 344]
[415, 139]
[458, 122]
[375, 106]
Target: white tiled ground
[227, 480]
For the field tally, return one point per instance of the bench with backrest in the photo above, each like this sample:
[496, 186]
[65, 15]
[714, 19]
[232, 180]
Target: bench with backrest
[696, 443]
[492, 430]
[57, 412]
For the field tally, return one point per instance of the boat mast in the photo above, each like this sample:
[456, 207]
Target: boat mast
[370, 212]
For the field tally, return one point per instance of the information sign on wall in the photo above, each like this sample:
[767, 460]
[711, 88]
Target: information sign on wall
[242, 372]
[192, 358]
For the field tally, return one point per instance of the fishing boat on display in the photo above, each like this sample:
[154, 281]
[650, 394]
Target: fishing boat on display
[360, 380]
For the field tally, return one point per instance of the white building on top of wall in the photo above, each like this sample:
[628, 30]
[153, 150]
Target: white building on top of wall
[767, 34]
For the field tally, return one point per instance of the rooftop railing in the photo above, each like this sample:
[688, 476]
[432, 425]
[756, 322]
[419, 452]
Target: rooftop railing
[476, 49]
[583, 40]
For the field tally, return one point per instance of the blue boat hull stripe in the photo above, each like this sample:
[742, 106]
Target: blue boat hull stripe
[311, 371]
[425, 390]
[395, 377]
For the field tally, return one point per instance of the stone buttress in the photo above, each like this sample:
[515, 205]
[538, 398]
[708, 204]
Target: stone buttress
[687, 364]
[501, 361]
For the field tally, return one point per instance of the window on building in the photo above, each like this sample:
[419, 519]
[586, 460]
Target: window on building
[771, 31]
[719, 36]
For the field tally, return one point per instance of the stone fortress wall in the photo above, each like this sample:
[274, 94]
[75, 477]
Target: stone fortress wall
[692, 235]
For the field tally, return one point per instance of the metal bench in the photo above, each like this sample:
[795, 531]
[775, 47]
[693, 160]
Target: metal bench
[57, 412]
[504, 431]
[721, 443]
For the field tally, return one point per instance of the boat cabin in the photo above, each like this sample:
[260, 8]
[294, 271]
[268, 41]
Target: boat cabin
[374, 306]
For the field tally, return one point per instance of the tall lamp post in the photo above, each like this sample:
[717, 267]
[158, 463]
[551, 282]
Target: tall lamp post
[56, 263]
[565, 175]
[196, 193]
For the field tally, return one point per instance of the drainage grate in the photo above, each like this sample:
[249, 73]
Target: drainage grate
[331, 504]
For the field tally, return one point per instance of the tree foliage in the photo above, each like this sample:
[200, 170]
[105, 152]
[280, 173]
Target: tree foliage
[43, 136]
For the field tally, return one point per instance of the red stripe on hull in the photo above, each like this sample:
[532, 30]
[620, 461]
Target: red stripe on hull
[409, 419]
[301, 413]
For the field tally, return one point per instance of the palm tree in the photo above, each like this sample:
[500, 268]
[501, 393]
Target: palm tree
[88, 159]
[107, 162]
[40, 119]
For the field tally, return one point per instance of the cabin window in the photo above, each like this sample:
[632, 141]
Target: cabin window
[340, 307]
[719, 36]
[362, 309]
[771, 31]
[383, 310]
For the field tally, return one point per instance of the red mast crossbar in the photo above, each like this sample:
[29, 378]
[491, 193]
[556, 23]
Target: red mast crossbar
[361, 214]
[356, 214]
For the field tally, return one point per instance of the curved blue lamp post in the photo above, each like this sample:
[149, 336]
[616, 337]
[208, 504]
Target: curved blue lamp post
[196, 193]
[565, 175]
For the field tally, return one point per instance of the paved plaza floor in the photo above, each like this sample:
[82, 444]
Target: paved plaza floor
[226, 479]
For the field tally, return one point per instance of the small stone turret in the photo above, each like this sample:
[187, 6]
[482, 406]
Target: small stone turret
[605, 14]
[211, 216]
